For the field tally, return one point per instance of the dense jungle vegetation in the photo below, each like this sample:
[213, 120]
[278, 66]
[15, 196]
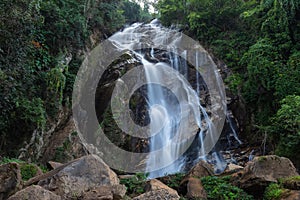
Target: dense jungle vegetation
[260, 42]
[42, 44]
[41, 48]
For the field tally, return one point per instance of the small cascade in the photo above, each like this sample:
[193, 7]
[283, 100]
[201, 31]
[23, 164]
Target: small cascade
[232, 132]
[175, 117]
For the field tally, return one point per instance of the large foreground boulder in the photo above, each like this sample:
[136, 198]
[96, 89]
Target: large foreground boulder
[262, 171]
[82, 175]
[34, 192]
[10, 179]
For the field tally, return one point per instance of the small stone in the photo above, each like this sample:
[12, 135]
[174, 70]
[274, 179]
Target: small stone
[232, 168]
[157, 194]
[155, 184]
[102, 192]
[119, 191]
[54, 165]
[193, 188]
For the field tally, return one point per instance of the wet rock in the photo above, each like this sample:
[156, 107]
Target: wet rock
[81, 175]
[157, 194]
[192, 188]
[10, 179]
[232, 168]
[34, 192]
[155, 184]
[262, 171]
[200, 170]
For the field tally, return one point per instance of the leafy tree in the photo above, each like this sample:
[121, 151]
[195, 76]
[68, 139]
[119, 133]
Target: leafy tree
[286, 128]
[131, 11]
[172, 11]
[263, 63]
[21, 109]
[259, 41]
[105, 15]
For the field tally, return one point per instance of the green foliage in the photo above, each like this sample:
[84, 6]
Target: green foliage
[56, 81]
[64, 24]
[173, 180]
[107, 16]
[286, 128]
[220, 188]
[32, 111]
[288, 77]
[6, 160]
[135, 184]
[293, 178]
[28, 171]
[36, 37]
[273, 192]
[234, 82]
[61, 152]
[265, 64]
[131, 11]
[172, 11]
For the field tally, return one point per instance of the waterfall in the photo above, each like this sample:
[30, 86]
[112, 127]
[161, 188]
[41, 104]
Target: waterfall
[184, 126]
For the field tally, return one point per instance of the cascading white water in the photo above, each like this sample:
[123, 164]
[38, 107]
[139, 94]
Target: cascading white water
[169, 119]
[172, 117]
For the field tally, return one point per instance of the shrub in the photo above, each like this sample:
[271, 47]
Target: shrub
[28, 171]
[273, 192]
[220, 188]
[286, 128]
[135, 185]
[173, 180]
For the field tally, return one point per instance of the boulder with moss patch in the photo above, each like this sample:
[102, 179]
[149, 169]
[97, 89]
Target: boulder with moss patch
[262, 171]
